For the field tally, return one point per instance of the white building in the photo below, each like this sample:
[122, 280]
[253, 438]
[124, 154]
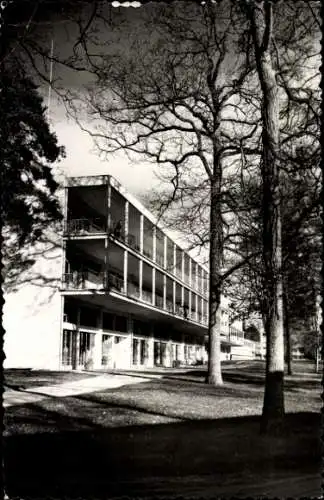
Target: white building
[119, 292]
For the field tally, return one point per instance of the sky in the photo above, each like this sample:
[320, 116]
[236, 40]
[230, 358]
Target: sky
[81, 156]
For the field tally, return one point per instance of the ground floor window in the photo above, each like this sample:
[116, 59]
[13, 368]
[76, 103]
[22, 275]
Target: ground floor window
[85, 347]
[67, 349]
[140, 351]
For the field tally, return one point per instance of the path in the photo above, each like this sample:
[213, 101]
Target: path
[102, 382]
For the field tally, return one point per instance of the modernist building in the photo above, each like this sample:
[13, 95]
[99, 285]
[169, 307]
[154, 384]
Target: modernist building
[129, 296]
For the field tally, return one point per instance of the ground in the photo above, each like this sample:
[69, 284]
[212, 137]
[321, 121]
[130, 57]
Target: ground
[165, 437]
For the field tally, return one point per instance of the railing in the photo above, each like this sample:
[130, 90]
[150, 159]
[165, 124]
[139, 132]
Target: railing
[236, 335]
[147, 296]
[133, 290]
[148, 252]
[159, 259]
[133, 241]
[116, 282]
[169, 306]
[85, 225]
[159, 301]
[83, 280]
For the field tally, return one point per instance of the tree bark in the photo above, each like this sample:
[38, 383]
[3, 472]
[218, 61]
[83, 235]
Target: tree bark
[287, 334]
[214, 375]
[273, 405]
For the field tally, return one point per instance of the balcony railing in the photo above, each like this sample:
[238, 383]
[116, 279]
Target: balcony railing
[116, 282]
[133, 241]
[159, 301]
[147, 296]
[159, 259]
[83, 280]
[85, 226]
[133, 290]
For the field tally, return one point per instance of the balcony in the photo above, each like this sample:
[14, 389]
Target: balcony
[133, 241]
[159, 259]
[85, 226]
[84, 280]
[116, 282]
[236, 336]
[133, 290]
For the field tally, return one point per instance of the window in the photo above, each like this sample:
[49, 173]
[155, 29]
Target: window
[121, 324]
[71, 312]
[67, 347]
[88, 317]
[108, 321]
[141, 328]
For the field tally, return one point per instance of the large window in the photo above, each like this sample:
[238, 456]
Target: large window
[67, 343]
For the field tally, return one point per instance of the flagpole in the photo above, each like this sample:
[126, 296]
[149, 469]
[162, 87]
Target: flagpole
[50, 80]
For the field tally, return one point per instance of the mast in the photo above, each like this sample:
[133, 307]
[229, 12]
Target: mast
[50, 80]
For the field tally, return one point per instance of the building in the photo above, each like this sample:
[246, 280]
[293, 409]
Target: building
[128, 295]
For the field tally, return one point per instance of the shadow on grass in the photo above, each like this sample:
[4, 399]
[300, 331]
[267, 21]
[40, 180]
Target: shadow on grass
[102, 462]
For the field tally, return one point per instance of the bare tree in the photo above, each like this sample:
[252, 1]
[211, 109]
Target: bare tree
[260, 15]
[177, 101]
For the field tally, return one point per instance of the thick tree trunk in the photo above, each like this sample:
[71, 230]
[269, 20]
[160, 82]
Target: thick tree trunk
[214, 375]
[287, 334]
[273, 405]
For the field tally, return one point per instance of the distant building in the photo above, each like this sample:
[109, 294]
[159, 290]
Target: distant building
[126, 294]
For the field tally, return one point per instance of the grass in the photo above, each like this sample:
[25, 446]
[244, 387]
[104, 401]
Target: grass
[165, 437]
[27, 378]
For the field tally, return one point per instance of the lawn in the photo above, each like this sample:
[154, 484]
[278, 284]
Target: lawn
[22, 378]
[165, 437]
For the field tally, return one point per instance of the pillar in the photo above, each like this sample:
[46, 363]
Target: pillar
[125, 271]
[126, 221]
[154, 244]
[141, 232]
[165, 252]
[140, 278]
[153, 285]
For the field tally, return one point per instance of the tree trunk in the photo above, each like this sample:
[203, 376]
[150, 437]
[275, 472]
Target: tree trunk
[273, 405]
[287, 333]
[214, 375]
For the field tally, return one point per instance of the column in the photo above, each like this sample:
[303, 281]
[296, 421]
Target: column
[150, 361]
[109, 208]
[130, 340]
[164, 291]
[125, 271]
[190, 304]
[126, 221]
[153, 285]
[154, 244]
[76, 342]
[182, 265]
[174, 294]
[106, 265]
[174, 258]
[196, 305]
[141, 232]
[165, 250]
[97, 344]
[65, 210]
[140, 278]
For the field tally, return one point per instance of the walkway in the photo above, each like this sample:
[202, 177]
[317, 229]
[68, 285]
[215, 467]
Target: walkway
[13, 397]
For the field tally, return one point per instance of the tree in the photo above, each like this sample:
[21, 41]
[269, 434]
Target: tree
[28, 203]
[174, 102]
[260, 15]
